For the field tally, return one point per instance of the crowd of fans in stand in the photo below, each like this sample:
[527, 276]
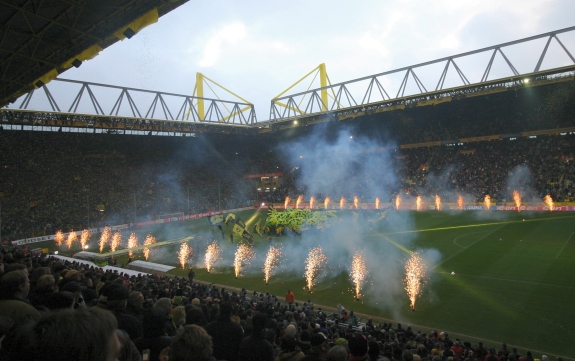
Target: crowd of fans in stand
[53, 181]
[55, 310]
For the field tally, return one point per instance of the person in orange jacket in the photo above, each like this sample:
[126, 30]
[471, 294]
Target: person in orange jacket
[290, 298]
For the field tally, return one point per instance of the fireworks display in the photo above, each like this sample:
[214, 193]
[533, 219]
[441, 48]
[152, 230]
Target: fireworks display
[397, 202]
[326, 202]
[341, 203]
[286, 203]
[105, 237]
[116, 241]
[487, 202]
[437, 202]
[414, 278]
[212, 255]
[148, 241]
[549, 202]
[243, 256]
[355, 202]
[72, 237]
[184, 254]
[377, 202]
[358, 272]
[418, 203]
[311, 202]
[59, 238]
[314, 263]
[85, 238]
[298, 201]
[272, 259]
[517, 200]
[132, 242]
[460, 202]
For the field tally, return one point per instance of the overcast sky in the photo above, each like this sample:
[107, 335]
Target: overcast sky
[259, 48]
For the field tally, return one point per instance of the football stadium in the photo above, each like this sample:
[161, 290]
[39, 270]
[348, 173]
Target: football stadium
[436, 224]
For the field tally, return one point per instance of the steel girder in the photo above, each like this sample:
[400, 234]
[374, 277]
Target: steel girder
[368, 94]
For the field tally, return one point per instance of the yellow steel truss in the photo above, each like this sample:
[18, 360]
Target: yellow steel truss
[324, 82]
[201, 79]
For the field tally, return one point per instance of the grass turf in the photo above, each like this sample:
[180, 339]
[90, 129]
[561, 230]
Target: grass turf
[513, 277]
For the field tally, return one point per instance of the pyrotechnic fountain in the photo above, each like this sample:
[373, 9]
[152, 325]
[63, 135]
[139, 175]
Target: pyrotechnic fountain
[271, 262]
[377, 202]
[212, 255]
[286, 203]
[517, 200]
[85, 238]
[184, 254]
[298, 201]
[414, 277]
[358, 273]
[244, 255]
[341, 203]
[311, 202]
[355, 202]
[315, 261]
[326, 203]
[460, 202]
[418, 203]
[105, 237]
[72, 237]
[59, 238]
[549, 202]
[116, 241]
[397, 202]
[148, 241]
[487, 202]
[437, 202]
[132, 242]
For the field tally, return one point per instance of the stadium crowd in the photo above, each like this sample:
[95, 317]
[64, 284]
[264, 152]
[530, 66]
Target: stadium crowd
[55, 310]
[62, 181]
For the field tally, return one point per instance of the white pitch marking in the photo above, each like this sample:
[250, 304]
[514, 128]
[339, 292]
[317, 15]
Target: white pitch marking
[562, 248]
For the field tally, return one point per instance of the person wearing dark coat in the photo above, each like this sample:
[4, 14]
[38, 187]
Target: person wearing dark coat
[155, 338]
[255, 347]
[226, 334]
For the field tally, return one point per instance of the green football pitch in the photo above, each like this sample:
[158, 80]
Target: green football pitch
[496, 276]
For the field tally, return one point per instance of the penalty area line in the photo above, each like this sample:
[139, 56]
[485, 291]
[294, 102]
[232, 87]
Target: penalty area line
[487, 235]
[562, 248]
[510, 280]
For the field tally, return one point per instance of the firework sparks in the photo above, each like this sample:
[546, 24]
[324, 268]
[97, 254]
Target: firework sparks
[272, 260]
[184, 254]
[212, 255]
[72, 237]
[418, 203]
[517, 200]
[326, 202]
[298, 201]
[487, 202]
[313, 265]
[460, 202]
[116, 241]
[437, 202]
[397, 202]
[355, 202]
[59, 238]
[132, 242]
[414, 275]
[244, 255]
[377, 202]
[341, 203]
[85, 238]
[148, 241]
[105, 237]
[549, 202]
[311, 202]
[286, 203]
[358, 272]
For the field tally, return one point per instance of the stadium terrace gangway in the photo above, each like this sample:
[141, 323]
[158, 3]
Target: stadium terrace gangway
[435, 82]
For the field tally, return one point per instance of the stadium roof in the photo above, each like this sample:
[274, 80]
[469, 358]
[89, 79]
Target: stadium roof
[40, 39]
